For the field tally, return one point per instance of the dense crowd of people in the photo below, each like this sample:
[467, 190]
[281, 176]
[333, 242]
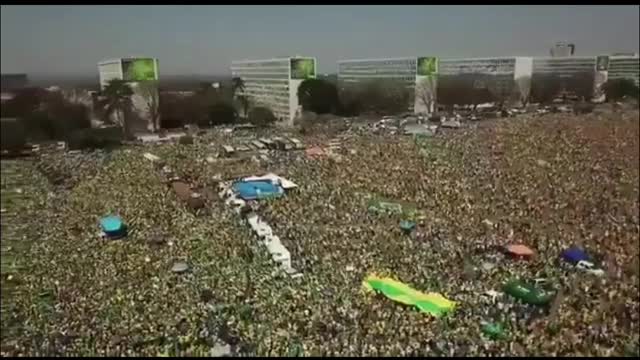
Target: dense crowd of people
[549, 183]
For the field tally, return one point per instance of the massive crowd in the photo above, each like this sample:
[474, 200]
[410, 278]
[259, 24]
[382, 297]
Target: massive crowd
[546, 182]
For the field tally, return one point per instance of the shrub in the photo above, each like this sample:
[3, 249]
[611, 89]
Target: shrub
[616, 89]
[174, 111]
[24, 103]
[66, 117]
[219, 114]
[350, 102]
[547, 87]
[39, 126]
[583, 107]
[261, 116]
[98, 138]
[80, 139]
[13, 135]
[185, 140]
[376, 96]
[47, 115]
[474, 89]
[318, 96]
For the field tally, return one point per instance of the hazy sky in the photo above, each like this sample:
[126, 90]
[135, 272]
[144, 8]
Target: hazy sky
[204, 39]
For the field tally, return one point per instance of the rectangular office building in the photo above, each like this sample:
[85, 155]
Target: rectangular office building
[553, 77]
[476, 80]
[361, 71]
[357, 71]
[624, 67]
[274, 83]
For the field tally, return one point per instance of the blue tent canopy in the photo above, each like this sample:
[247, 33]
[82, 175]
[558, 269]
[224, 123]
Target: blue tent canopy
[113, 226]
[251, 190]
[574, 255]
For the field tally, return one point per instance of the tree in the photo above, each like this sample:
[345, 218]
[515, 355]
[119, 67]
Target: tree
[117, 100]
[524, 89]
[318, 96]
[616, 89]
[237, 93]
[149, 92]
[386, 96]
[174, 111]
[13, 135]
[64, 117]
[25, 102]
[237, 84]
[245, 104]
[350, 100]
[261, 116]
[47, 115]
[545, 88]
[220, 114]
[426, 94]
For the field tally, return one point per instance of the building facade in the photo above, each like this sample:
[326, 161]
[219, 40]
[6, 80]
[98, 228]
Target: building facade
[464, 81]
[563, 76]
[467, 81]
[141, 73]
[400, 71]
[624, 67]
[274, 83]
[360, 70]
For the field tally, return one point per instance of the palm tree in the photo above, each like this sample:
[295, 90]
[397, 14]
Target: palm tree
[237, 85]
[117, 99]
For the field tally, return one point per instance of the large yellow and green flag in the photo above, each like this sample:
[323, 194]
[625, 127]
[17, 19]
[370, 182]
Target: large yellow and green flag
[431, 303]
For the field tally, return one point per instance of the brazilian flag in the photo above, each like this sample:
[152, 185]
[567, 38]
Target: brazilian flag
[430, 303]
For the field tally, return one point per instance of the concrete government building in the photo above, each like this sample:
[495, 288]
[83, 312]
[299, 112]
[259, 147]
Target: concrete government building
[274, 83]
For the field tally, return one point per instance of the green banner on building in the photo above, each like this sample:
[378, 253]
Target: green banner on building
[427, 66]
[303, 69]
[139, 69]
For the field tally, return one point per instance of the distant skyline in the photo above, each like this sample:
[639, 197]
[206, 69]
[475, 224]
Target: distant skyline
[70, 40]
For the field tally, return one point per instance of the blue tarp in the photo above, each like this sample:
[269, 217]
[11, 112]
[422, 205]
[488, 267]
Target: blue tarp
[574, 255]
[251, 190]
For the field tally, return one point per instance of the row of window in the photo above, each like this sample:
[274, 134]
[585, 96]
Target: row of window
[477, 65]
[477, 61]
[630, 68]
[265, 79]
[274, 87]
[582, 64]
[280, 104]
[379, 74]
[257, 64]
[411, 62]
[408, 77]
[281, 70]
[624, 68]
[280, 97]
[268, 83]
[378, 70]
[563, 71]
[374, 68]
